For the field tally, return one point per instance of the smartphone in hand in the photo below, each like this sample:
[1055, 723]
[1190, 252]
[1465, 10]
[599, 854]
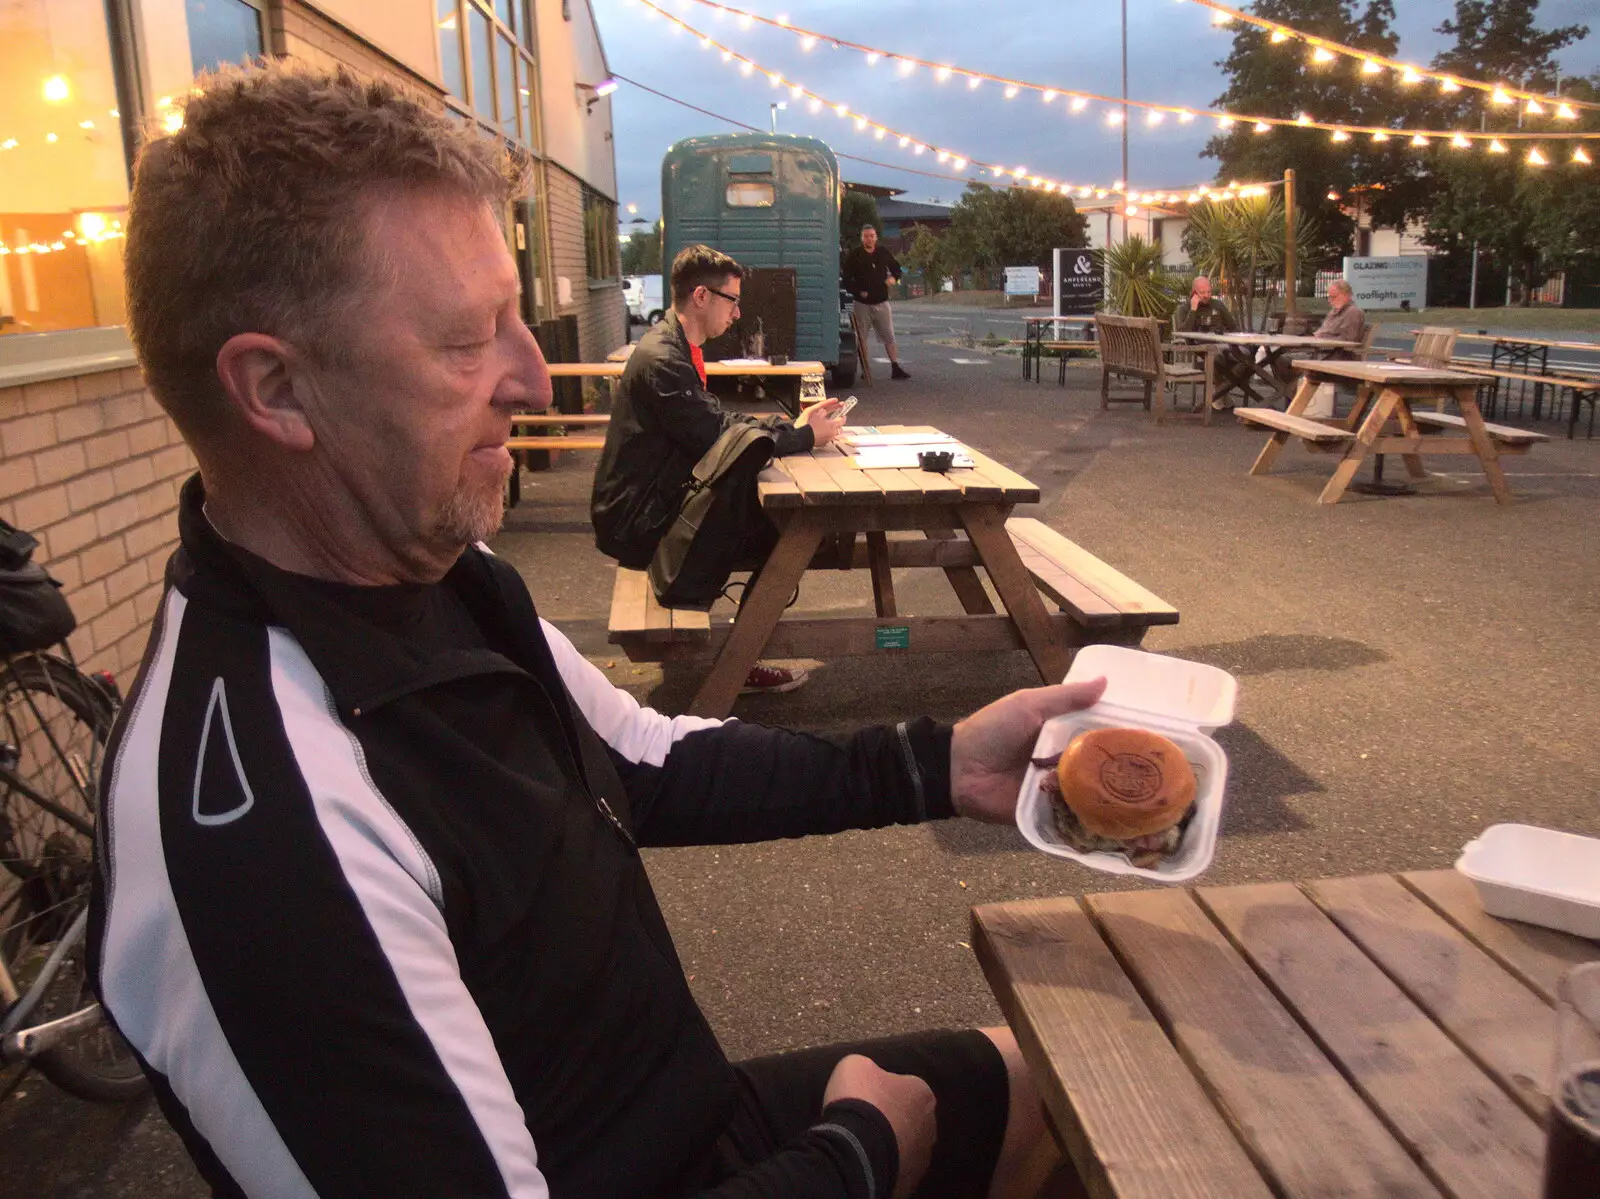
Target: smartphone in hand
[846, 405]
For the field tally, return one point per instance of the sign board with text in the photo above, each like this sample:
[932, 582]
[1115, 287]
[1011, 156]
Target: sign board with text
[1022, 280]
[1388, 282]
[1080, 287]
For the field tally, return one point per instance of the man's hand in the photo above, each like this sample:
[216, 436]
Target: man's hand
[989, 750]
[905, 1100]
[824, 419]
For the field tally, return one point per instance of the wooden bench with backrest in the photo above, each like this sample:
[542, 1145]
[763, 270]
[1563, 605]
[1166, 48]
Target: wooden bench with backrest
[1102, 604]
[1131, 347]
[1433, 346]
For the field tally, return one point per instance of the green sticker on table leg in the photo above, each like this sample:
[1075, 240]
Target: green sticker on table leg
[893, 636]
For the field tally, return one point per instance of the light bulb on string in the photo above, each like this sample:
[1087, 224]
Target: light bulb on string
[1220, 18]
[747, 68]
[1225, 122]
[1185, 117]
[907, 67]
[942, 74]
[842, 109]
[1011, 92]
[1460, 143]
[872, 59]
[1368, 67]
[1419, 140]
[1079, 103]
[944, 156]
[1380, 136]
[904, 142]
[1261, 127]
[1449, 85]
[1564, 112]
[815, 105]
[1533, 108]
[1279, 35]
[974, 83]
[1049, 94]
[1580, 155]
[1154, 117]
[1339, 135]
[1410, 75]
[796, 92]
[1113, 117]
[1322, 55]
[1303, 119]
[806, 43]
[959, 164]
[727, 56]
[1496, 146]
[1536, 159]
[1499, 96]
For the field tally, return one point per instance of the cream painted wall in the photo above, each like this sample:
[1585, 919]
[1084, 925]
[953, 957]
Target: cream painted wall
[402, 29]
[576, 137]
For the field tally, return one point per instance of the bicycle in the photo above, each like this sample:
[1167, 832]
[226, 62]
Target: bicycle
[54, 722]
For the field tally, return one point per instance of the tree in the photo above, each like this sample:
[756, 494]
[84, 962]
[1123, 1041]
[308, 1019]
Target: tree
[1139, 287]
[641, 253]
[1240, 244]
[1279, 80]
[855, 210]
[931, 254]
[993, 228]
[1531, 220]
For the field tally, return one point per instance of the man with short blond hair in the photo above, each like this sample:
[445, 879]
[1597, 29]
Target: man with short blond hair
[369, 903]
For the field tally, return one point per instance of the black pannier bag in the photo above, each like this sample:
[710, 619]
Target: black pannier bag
[33, 612]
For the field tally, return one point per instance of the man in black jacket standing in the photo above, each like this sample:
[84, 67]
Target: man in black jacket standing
[867, 269]
[663, 422]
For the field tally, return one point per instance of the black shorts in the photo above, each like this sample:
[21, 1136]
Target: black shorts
[780, 1097]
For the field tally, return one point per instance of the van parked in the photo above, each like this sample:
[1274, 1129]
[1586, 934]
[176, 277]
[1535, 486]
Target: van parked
[644, 296]
[772, 201]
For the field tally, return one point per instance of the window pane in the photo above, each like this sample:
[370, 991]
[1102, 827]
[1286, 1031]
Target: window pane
[482, 75]
[63, 178]
[530, 88]
[506, 82]
[525, 23]
[750, 195]
[502, 9]
[222, 31]
[450, 49]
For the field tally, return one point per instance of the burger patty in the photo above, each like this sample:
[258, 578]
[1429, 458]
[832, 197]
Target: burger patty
[1143, 852]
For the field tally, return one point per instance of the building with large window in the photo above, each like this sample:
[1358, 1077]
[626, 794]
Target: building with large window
[88, 461]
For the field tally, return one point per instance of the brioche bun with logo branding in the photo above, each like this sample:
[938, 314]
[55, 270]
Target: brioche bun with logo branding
[1125, 783]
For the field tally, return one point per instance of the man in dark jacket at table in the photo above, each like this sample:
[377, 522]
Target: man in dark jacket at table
[866, 270]
[663, 422]
[1203, 312]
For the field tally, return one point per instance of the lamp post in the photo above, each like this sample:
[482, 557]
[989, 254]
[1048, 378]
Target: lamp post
[773, 108]
[1125, 184]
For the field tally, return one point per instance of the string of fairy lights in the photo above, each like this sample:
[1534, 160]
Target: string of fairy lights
[1325, 50]
[956, 160]
[1155, 113]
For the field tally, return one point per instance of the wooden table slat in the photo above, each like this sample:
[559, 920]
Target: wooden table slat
[896, 486]
[1474, 1140]
[858, 485]
[1123, 593]
[1015, 489]
[1538, 956]
[1502, 1023]
[1133, 1118]
[817, 485]
[776, 488]
[1302, 1120]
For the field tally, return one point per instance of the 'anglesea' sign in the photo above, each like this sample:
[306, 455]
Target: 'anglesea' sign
[1388, 282]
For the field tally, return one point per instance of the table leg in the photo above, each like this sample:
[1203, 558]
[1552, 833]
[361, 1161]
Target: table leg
[882, 576]
[986, 526]
[759, 615]
[1264, 369]
[1278, 440]
[1371, 430]
[1408, 426]
[1467, 401]
[964, 580]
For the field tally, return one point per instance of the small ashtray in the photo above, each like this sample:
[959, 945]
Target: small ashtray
[937, 461]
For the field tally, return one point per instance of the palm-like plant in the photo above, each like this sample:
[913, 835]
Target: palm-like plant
[1138, 285]
[1240, 244]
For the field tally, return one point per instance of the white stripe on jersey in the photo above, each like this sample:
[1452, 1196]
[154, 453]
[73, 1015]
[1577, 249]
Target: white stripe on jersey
[148, 973]
[392, 878]
[638, 733]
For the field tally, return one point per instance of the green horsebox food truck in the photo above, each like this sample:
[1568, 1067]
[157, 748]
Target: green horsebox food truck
[772, 201]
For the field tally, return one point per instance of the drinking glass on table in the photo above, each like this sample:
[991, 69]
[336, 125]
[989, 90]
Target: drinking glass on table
[1572, 1150]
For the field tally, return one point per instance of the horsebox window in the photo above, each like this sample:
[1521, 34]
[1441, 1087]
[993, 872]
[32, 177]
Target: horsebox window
[750, 195]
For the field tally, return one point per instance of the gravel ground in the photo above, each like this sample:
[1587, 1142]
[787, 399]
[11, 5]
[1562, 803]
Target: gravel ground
[1410, 671]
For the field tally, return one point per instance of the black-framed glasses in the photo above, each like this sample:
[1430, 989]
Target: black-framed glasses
[734, 300]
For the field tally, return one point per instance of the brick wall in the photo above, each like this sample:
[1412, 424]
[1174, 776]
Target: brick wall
[599, 312]
[92, 468]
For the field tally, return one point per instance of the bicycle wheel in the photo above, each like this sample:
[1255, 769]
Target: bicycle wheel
[53, 727]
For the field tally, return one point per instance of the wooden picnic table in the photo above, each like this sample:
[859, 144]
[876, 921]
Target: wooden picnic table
[1390, 391]
[1377, 1036]
[1237, 374]
[1034, 339]
[1525, 360]
[823, 495]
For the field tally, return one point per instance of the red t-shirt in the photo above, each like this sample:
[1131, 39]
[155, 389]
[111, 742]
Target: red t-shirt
[699, 361]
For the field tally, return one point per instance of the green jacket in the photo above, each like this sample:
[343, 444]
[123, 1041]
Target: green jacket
[1211, 317]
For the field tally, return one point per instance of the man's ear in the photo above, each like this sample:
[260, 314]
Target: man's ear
[259, 374]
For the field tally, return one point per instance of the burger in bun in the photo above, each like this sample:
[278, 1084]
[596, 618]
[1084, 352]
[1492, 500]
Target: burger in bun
[1121, 790]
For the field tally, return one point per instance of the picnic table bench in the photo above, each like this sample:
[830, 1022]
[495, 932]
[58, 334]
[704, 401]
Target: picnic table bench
[834, 515]
[1375, 1036]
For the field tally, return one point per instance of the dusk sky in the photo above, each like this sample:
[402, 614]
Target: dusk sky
[1172, 52]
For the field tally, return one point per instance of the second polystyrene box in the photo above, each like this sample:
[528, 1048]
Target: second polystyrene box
[1183, 701]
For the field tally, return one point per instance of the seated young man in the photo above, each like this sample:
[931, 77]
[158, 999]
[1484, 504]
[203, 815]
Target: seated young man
[664, 420]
